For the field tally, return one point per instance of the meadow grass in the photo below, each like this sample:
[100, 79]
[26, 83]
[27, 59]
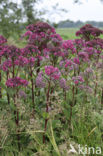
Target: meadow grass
[67, 33]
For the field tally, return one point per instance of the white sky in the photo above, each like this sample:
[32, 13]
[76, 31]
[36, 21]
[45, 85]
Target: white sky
[88, 10]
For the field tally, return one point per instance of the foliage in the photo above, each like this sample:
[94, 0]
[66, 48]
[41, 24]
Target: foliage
[10, 17]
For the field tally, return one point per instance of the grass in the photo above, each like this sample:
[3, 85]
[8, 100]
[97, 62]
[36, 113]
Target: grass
[67, 33]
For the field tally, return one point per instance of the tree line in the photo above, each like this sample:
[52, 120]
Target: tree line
[72, 24]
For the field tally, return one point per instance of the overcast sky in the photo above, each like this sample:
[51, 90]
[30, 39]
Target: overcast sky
[88, 10]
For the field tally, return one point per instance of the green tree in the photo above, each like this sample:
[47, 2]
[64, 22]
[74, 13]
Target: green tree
[10, 17]
[29, 11]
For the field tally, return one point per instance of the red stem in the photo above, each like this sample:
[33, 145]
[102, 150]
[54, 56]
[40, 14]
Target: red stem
[38, 65]
[8, 97]
[16, 112]
[0, 81]
[32, 83]
[71, 106]
[64, 91]
[47, 110]
[96, 85]
[72, 103]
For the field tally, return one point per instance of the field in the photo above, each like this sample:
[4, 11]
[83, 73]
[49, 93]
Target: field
[67, 33]
[51, 92]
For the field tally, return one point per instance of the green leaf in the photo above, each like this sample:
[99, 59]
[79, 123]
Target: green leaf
[45, 115]
[3, 86]
[66, 113]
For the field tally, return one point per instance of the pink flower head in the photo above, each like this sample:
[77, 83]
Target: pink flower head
[16, 82]
[40, 83]
[80, 78]
[89, 50]
[46, 53]
[2, 40]
[6, 65]
[1, 51]
[22, 94]
[79, 43]
[89, 70]
[28, 33]
[31, 61]
[87, 31]
[41, 27]
[30, 50]
[61, 64]
[86, 88]
[13, 52]
[53, 72]
[63, 84]
[96, 43]
[77, 79]
[83, 55]
[68, 45]
[53, 50]
[76, 82]
[21, 61]
[57, 36]
[68, 63]
[4, 51]
[56, 39]
[40, 58]
[76, 60]
[41, 32]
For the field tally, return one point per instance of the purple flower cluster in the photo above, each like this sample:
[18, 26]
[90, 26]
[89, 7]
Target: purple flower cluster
[77, 79]
[83, 55]
[88, 32]
[30, 50]
[6, 65]
[56, 39]
[2, 40]
[21, 61]
[39, 32]
[86, 88]
[40, 83]
[24, 61]
[53, 72]
[68, 63]
[63, 84]
[41, 27]
[13, 52]
[78, 43]
[60, 60]
[76, 60]
[22, 94]
[69, 45]
[16, 82]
